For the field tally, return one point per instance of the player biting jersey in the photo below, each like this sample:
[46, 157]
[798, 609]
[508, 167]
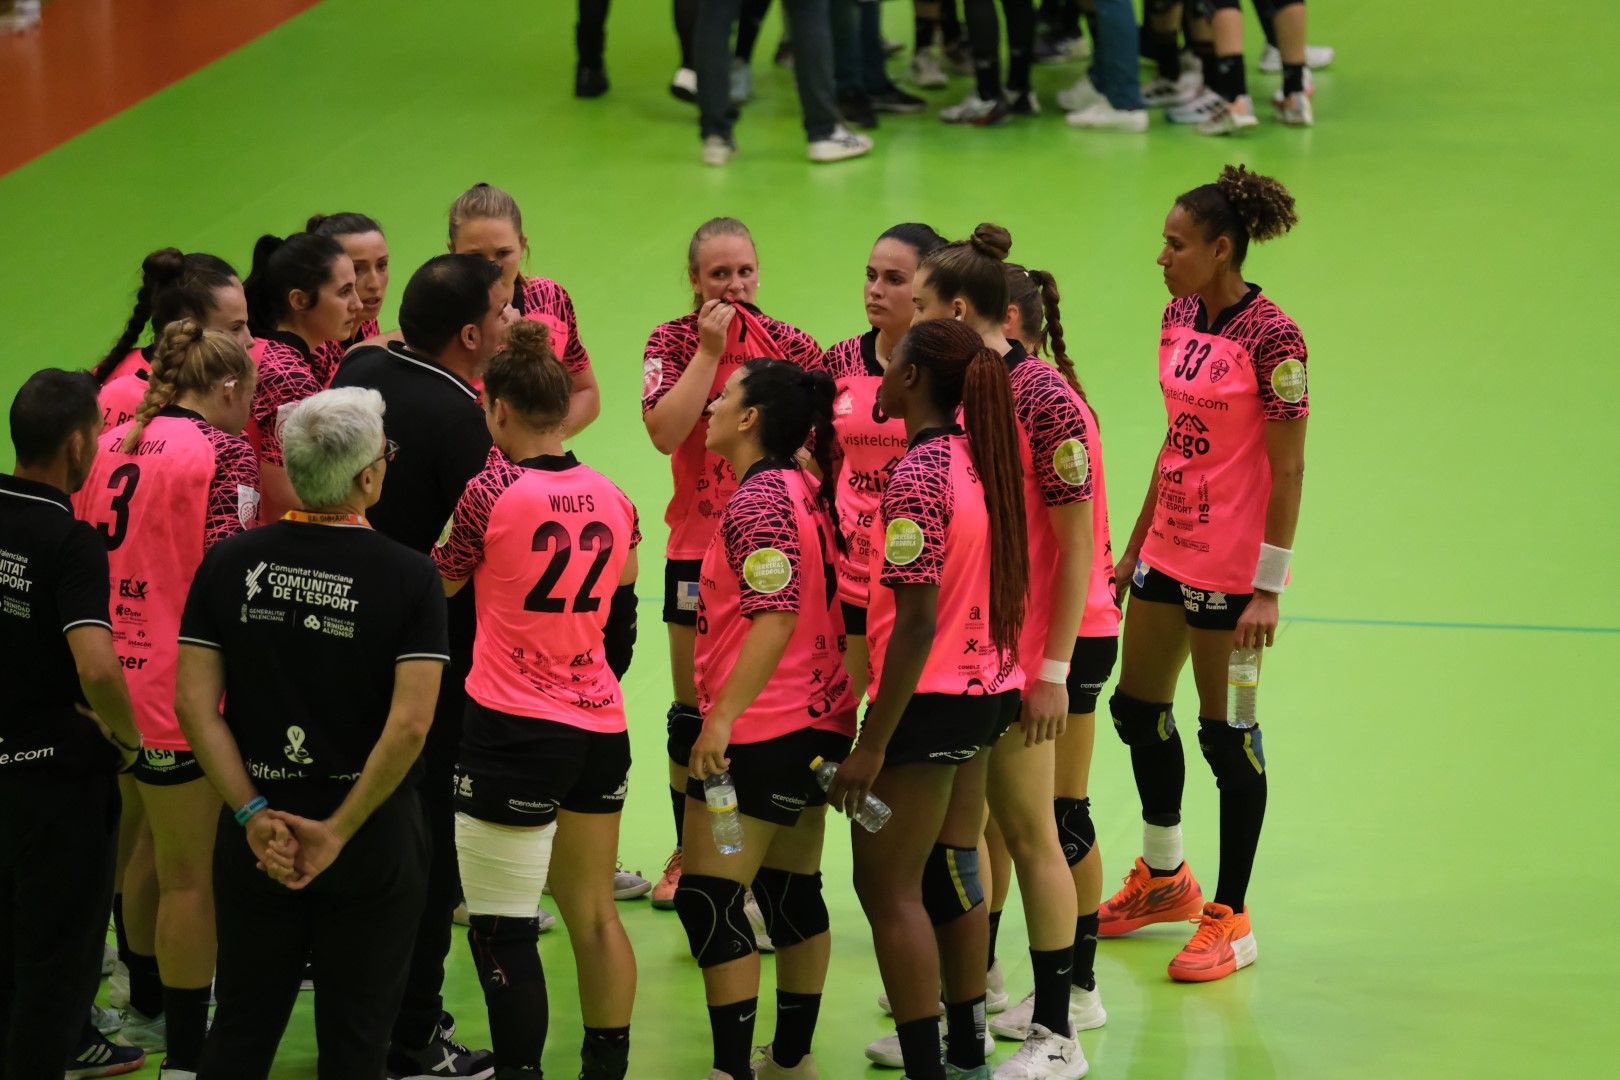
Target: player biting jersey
[774, 696]
[1209, 556]
[363, 242]
[550, 546]
[687, 362]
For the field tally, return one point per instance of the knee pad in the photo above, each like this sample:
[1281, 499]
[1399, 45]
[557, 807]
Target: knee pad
[792, 904]
[1076, 831]
[684, 724]
[1141, 723]
[711, 910]
[950, 885]
[505, 950]
[502, 870]
[1235, 755]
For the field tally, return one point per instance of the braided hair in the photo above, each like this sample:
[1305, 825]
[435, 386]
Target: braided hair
[187, 358]
[1035, 293]
[173, 286]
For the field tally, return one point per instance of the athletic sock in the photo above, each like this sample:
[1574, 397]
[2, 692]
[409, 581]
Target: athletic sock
[1242, 813]
[677, 802]
[995, 928]
[1293, 78]
[919, 1048]
[964, 1033]
[1161, 848]
[732, 1027]
[795, 1026]
[1053, 977]
[1231, 81]
[1205, 51]
[186, 1013]
[1085, 952]
[1162, 47]
[145, 988]
[605, 1054]
[924, 27]
[119, 933]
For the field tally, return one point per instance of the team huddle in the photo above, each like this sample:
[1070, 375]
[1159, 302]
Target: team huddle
[347, 619]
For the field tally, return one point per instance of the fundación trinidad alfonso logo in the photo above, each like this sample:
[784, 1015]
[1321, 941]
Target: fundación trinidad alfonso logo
[295, 747]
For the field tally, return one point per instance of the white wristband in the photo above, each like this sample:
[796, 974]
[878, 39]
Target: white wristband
[1055, 671]
[1271, 572]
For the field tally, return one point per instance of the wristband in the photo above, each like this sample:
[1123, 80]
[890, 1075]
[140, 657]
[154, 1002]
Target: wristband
[254, 805]
[1055, 671]
[1271, 571]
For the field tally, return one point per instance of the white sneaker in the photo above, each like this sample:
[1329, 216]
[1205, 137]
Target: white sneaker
[629, 884]
[1081, 95]
[1166, 92]
[742, 81]
[118, 985]
[764, 1066]
[995, 989]
[106, 1020]
[684, 84]
[973, 109]
[756, 919]
[1310, 90]
[1101, 116]
[1199, 109]
[1316, 58]
[841, 145]
[1044, 1056]
[1295, 111]
[176, 1074]
[718, 150]
[1235, 116]
[1191, 61]
[926, 72]
[150, 1033]
[1085, 1013]
[886, 1051]
[546, 921]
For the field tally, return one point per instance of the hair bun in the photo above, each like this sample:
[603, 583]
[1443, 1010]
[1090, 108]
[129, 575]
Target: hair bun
[992, 240]
[163, 265]
[1263, 205]
[316, 221]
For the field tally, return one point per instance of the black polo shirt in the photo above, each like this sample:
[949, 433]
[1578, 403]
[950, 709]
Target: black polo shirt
[53, 578]
[312, 619]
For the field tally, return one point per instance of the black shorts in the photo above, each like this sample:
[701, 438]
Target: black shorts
[518, 770]
[1089, 669]
[854, 618]
[773, 778]
[166, 768]
[681, 591]
[1206, 609]
[949, 729]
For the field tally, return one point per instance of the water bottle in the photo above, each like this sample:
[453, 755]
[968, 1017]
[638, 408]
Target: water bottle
[873, 813]
[1242, 686]
[724, 820]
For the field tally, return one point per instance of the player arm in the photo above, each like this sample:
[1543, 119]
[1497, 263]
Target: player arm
[584, 402]
[1072, 526]
[619, 635]
[761, 654]
[1285, 449]
[676, 413]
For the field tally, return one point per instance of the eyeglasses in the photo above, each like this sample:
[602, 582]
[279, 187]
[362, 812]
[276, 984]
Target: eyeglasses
[390, 452]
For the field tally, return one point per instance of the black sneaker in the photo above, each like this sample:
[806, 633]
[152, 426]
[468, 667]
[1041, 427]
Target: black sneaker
[443, 1057]
[98, 1057]
[856, 108]
[892, 99]
[590, 81]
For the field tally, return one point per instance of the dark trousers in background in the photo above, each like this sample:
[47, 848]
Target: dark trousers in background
[350, 921]
[810, 24]
[58, 844]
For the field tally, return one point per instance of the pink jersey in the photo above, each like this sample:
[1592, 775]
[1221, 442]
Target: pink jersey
[1101, 618]
[703, 481]
[872, 446]
[544, 301]
[186, 486]
[545, 542]
[1052, 433]
[329, 354]
[1222, 383]
[935, 530]
[286, 376]
[773, 552]
[121, 395]
[134, 362]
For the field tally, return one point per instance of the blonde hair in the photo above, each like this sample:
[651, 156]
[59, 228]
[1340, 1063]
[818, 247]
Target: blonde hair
[484, 201]
[187, 359]
[719, 226]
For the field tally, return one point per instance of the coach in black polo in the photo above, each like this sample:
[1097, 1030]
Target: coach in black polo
[453, 316]
[58, 793]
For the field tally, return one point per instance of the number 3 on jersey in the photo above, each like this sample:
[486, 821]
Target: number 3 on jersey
[122, 483]
[553, 536]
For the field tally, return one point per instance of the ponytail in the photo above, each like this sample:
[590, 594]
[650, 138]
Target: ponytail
[820, 388]
[157, 269]
[186, 358]
[1035, 293]
[795, 408]
[992, 431]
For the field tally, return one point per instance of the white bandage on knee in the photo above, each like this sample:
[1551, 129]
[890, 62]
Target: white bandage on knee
[502, 870]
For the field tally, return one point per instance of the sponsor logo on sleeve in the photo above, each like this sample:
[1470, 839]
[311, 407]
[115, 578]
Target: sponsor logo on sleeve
[1071, 462]
[1288, 381]
[247, 505]
[903, 542]
[652, 375]
[767, 571]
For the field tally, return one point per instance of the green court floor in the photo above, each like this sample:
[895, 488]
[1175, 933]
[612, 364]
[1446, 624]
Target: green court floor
[1437, 715]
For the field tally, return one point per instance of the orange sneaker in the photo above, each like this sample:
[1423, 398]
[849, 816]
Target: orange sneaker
[663, 893]
[1222, 943]
[1147, 899]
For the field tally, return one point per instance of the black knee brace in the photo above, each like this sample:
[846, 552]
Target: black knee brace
[1235, 755]
[1075, 828]
[1141, 722]
[684, 724]
[711, 910]
[792, 905]
[505, 949]
[950, 885]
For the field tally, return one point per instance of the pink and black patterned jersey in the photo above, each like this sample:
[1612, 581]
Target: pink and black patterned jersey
[1222, 383]
[872, 445]
[329, 354]
[934, 529]
[773, 552]
[545, 542]
[186, 486]
[703, 481]
[1101, 618]
[120, 396]
[135, 361]
[544, 301]
[286, 377]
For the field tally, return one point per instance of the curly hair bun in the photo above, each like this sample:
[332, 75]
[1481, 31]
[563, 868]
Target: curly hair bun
[992, 240]
[1263, 205]
[529, 339]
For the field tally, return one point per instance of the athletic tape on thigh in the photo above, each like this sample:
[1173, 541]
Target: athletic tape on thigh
[711, 911]
[502, 870]
[792, 904]
[1235, 755]
[1076, 831]
[951, 886]
[1141, 722]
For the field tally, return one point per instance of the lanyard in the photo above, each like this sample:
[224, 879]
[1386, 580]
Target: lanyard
[309, 518]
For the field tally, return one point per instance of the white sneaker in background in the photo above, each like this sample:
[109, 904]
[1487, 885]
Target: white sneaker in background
[841, 145]
[1233, 117]
[1101, 116]
[1045, 1055]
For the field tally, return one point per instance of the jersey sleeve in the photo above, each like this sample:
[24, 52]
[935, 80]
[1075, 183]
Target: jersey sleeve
[426, 634]
[574, 356]
[83, 588]
[670, 349]
[798, 346]
[461, 552]
[762, 548]
[1279, 368]
[197, 623]
[1050, 415]
[284, 380]
[233, 494]
[916, 517]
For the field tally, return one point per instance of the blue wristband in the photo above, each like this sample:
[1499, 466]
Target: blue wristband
[254, 805]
